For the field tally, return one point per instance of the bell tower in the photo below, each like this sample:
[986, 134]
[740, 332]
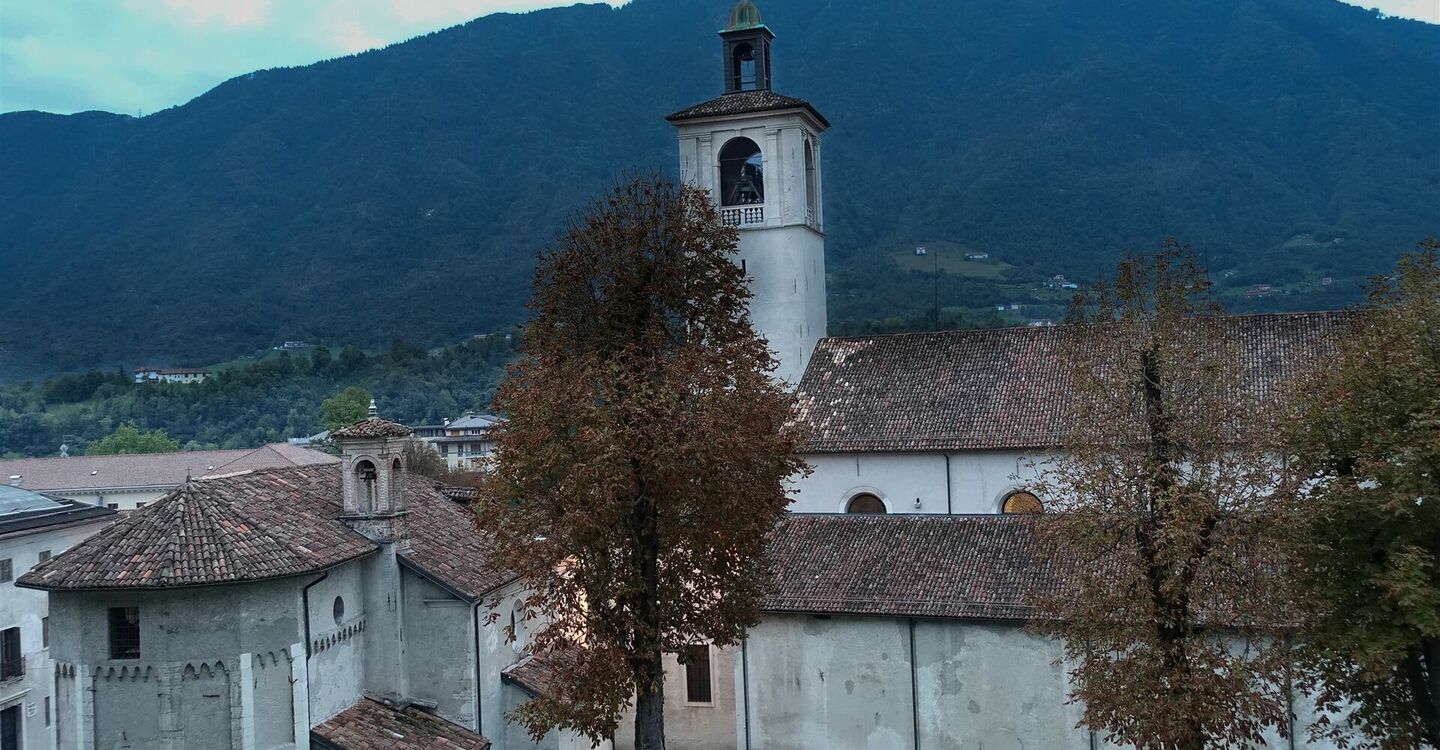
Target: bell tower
[757, 153]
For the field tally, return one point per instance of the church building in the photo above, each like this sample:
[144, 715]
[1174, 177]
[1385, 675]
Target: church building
[354, 606]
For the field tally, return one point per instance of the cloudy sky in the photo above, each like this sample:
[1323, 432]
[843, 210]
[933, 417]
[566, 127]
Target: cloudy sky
[138, 56]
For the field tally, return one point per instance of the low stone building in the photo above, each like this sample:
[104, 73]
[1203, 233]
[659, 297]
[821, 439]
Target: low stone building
[275, 607]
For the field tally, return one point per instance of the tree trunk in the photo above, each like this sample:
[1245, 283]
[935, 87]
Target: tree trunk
[1421, 668]
[650, 706]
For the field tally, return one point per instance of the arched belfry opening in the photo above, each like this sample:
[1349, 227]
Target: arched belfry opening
[812, 184]
[742, 173]
[397, 484]
[367, 485]
[747, 50]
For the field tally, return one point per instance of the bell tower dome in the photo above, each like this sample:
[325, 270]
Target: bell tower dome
[757, 153]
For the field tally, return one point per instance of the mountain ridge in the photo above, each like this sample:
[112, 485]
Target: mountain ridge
[403, 192]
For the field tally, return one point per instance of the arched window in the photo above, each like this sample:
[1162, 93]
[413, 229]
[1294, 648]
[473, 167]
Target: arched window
[811, 197]
[397, 485]
[743, 63]
[865, 503]
[366, 479]
[742, 173]
[1021, 501]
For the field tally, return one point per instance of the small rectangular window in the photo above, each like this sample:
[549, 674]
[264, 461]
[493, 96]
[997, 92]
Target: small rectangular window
[124, 632]
[44, 555]
[140, 505]
[45, 632]
[7, 571]
[697, 674]
[113, 506]
[12, 664]
[47, 710]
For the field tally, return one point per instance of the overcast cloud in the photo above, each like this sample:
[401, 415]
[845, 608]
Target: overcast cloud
[138, 56]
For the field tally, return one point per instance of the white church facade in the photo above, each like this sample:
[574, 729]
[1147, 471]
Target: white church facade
[354, 606]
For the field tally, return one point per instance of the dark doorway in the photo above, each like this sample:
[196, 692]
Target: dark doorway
[10, 728]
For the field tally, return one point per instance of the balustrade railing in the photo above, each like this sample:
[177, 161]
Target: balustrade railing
[742, 216]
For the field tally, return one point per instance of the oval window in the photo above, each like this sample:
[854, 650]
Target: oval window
[339, 610]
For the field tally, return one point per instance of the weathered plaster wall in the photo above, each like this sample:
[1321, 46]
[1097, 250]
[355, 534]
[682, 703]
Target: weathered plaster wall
[688, 725]
[440, 649]
[848, 682]
[337, 648]
[978, 480]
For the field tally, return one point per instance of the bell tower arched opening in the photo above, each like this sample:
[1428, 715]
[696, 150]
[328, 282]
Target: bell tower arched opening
[742, 173]
[367, 483]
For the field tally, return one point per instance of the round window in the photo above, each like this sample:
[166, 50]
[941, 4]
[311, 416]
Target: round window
[865, 503]
[339, 610]
[1021, 501]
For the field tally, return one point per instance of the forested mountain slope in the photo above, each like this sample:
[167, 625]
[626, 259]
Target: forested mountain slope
[403, 193]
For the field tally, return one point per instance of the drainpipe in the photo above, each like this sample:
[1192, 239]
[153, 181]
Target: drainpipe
[305, 604]
[949, 509]
[745, 685]
[479, 706]
[914, 687]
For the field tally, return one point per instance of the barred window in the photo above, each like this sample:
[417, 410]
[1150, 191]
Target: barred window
[124, 632]
[698, 688]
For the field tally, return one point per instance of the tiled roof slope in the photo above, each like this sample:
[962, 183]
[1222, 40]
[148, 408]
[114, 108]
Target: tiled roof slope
[974, 567]
[996, 389]
[372, 427]
[150, 469]
[260, 525]
[248, 527]
[372, 725]
[446, 544]
[745, 102]
[536, 675]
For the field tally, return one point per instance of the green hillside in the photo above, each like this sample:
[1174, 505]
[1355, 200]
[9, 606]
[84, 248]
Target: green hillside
[403, 193]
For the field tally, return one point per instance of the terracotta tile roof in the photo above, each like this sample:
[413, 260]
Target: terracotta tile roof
[972, 567]
[446, 544]
[265, 524]
[247, 527]
[372, 725]
[372, 427]
[745, 102]
[159, 470]
[995, 389]
[536, 675]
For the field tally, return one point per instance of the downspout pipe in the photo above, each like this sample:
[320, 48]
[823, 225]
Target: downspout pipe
[949, 508]
[305, 606]
[479, 688]
[745, 686]
[914, 687]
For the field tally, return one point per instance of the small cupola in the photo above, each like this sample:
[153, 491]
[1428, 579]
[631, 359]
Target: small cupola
[746, 44]
[372, 459]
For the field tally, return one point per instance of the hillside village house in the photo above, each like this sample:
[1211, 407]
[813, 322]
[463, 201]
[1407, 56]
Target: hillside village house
[33, 528]
[464, 443]
[127, 482]
[170, 374]
[353, 605]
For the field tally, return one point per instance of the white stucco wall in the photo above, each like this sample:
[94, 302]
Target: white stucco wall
[882, 683]
[978, 481]
[26, 609]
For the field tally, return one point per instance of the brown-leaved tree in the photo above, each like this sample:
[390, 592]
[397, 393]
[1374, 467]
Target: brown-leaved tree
[1167, 601]
[645, 457]
[1366, 449]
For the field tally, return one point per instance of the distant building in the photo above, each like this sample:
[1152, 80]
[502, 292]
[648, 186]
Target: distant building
[170, 374]
[128, 482]
[33, 528]
[465, 442]
[1260, 290]
[977, 256]
[921, 251]
[292, 345]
